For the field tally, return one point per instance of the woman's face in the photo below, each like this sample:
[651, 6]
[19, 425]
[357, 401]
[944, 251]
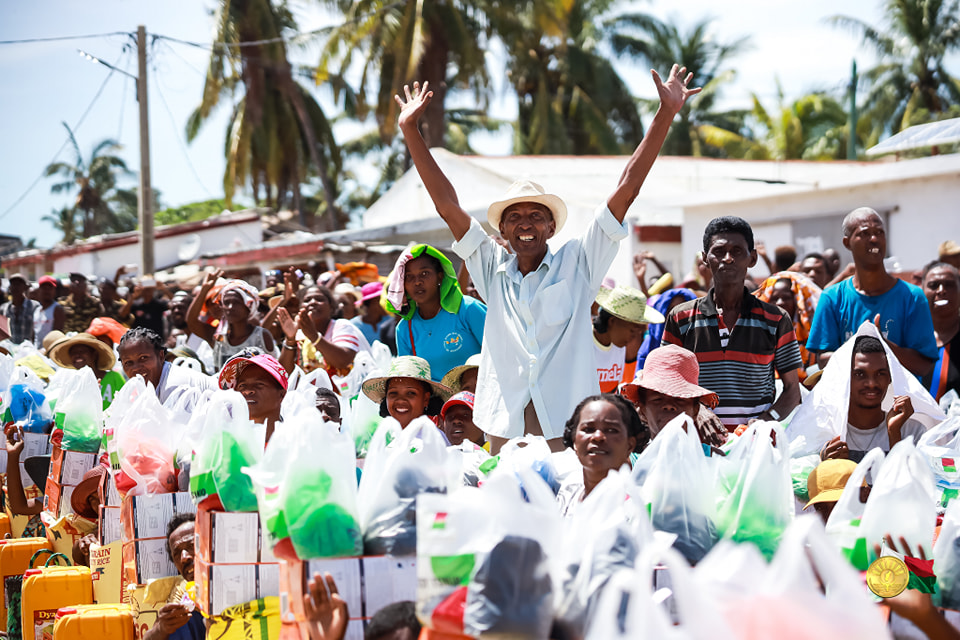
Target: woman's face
[141, 358]
[621, 332]
[83, 356]
[601, 441]
[421, 281]
[233, 308]
[407, 399]
[262, 393]
[317, 306]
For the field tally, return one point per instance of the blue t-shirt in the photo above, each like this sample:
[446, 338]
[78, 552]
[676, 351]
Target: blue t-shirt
[904, 317]
[445, 340]
[370, 332]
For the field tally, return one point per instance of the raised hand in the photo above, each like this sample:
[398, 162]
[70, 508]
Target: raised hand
[674, 92]
[307, 325]
[899, 414]
[411, 109]
[211, 278]
[327, 613]
[14, 434]
[287, 324]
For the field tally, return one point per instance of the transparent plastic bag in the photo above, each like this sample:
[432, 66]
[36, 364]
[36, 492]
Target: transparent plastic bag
[146, 441]
[671, 475]
[759, 506]
[843, 527]
[631, 608]
[946, 559]
[229, 443]
[902, 502]
[394, 475]
[80, 413]
[26, 401]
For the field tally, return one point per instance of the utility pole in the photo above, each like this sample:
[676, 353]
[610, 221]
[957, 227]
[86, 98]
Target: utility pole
[852, 123]
[144, 195]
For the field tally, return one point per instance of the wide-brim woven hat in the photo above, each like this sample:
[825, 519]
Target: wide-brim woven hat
[672, 371]
[452, 377]
[404, 367]
[528, 191]
[628, 304]
[60, 351]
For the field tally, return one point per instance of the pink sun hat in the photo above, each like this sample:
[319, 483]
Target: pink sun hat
[235, 366]
[672, 371]
[370, 291]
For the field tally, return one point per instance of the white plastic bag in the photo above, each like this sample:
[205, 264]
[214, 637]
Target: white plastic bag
[631, 609]
[673, 477]
[902, 502]
[946, 559]
[940, 447]
[146, 444]
[843, 527]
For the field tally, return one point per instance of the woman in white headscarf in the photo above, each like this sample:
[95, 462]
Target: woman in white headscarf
[238, 329]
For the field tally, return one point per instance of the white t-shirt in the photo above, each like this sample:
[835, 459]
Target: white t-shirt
[859, 441]
[610, 362]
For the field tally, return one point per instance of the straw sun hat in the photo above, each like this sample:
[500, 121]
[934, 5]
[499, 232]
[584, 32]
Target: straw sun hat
[452, 378]
[60, 351]
[628, 304]
[404, 367]
[528, 191]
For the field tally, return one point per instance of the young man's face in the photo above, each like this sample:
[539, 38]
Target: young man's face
[869, 379]
[729, 257]
[78, 287]
[458, 426]
[782, 296]
[816, 270]
[658, 409]
[527, 226]
[867, 241]
[46, 293]
[942, 288]
[329, 408]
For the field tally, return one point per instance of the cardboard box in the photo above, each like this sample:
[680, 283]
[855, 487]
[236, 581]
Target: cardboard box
[228, 537]
[145, 560]
[147, 516]
[232, 537]
[56, 499]
[112, 497]
[106, 569]
[366, 584]
[109, 527]
[220, 586]
[34, 444]
[68, 467]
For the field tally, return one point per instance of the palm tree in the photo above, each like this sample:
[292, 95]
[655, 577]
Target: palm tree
[64, 220]
[570, 97]
[812, 127]
[95, 179]
[911, 83]
[440, 41]
[277, 133]
[660, 45]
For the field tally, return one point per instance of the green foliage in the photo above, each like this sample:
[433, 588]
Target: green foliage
[911, 83]
[100, 206]
[192, 212]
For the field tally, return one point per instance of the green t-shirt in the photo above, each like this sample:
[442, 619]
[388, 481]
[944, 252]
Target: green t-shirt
[109, 385]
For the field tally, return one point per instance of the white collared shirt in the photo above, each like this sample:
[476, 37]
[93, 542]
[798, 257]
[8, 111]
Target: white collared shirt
[537, 341]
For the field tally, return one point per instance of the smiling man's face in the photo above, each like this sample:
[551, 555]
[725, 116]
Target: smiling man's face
[527, 226]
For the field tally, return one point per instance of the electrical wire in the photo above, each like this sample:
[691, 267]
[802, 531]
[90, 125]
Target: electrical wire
[75, 128]
[180, 142]
[60, 38]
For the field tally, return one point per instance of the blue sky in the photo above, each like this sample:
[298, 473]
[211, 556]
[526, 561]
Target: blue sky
[46, 83]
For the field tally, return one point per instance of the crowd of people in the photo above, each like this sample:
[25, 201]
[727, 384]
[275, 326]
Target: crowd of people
[534, 342]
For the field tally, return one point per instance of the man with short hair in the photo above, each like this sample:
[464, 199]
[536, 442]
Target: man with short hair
[739, 341]
[49, 315]
[79, 307]
[175, 621]
[814, 266]
[540, 366]
[868, 425]
[941, 286]
[832, 259]
[19, 310]
[113, 305]
[898, 309]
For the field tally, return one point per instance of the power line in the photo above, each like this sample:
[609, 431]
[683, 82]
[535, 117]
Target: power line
[65, 142]
[60, 38]
[180, 142]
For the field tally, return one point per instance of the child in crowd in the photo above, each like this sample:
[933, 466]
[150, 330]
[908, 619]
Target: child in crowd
[407, 392]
